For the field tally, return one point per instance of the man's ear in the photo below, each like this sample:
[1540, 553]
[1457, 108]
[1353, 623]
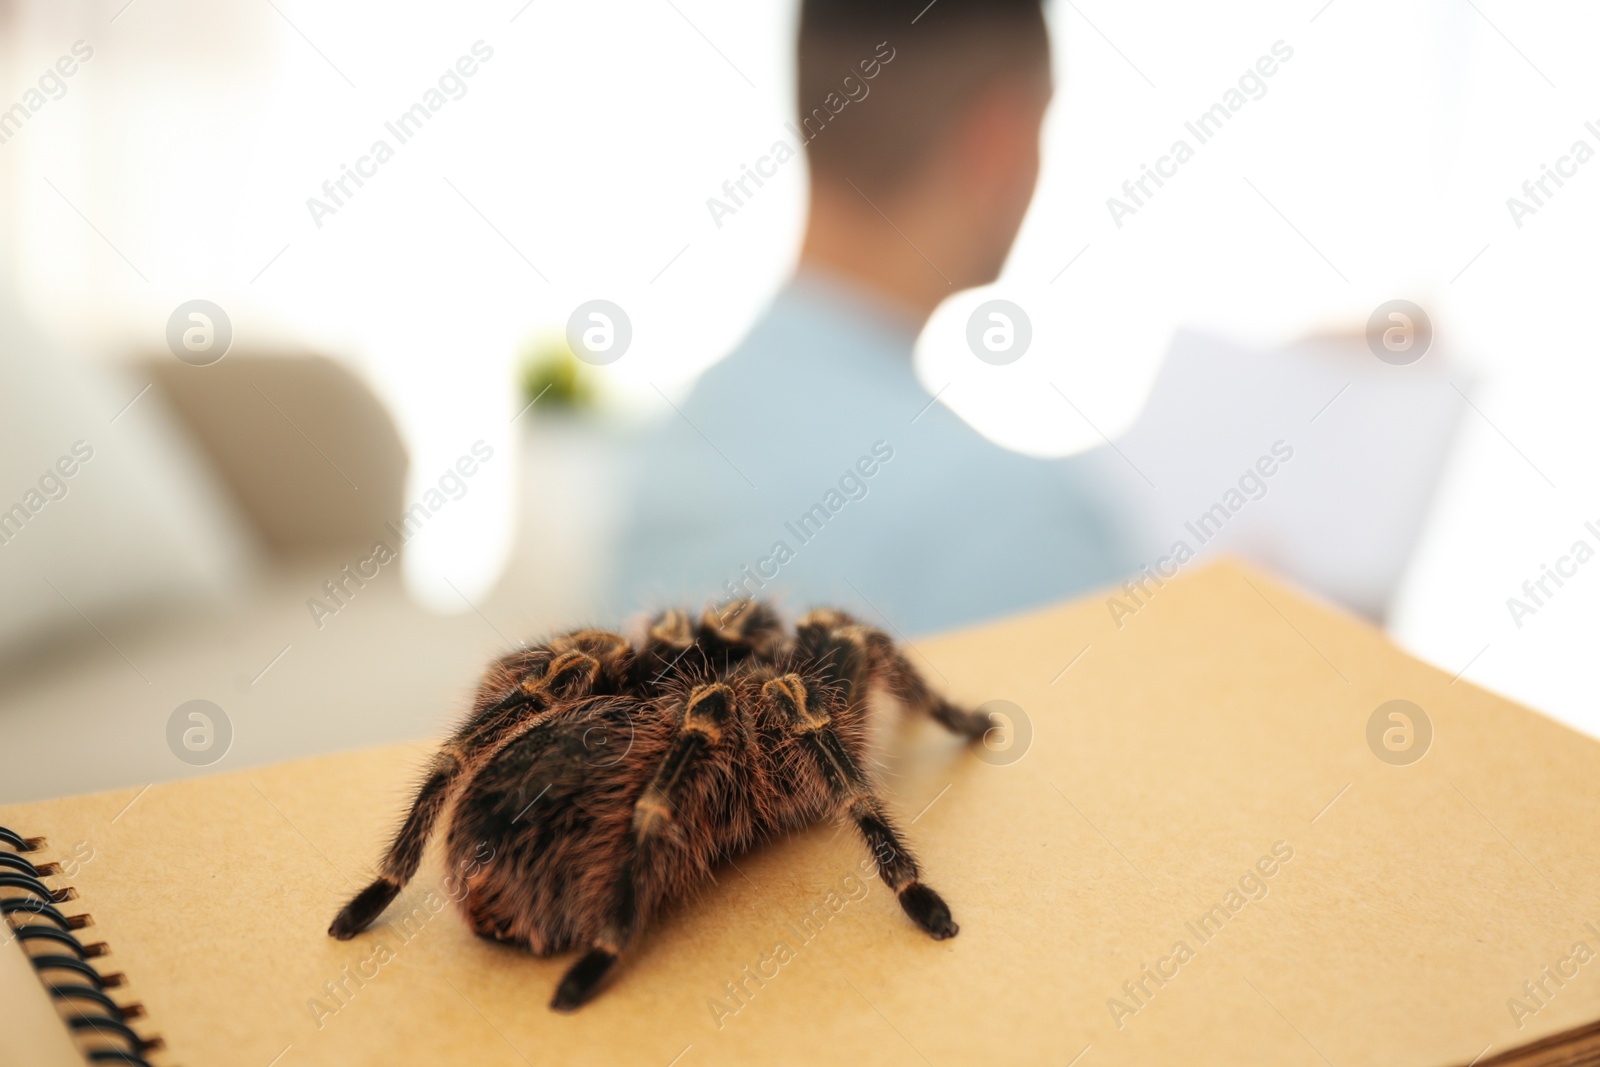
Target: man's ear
[997, 141]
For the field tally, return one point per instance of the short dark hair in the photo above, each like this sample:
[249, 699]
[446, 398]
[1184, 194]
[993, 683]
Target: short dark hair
[880, 80]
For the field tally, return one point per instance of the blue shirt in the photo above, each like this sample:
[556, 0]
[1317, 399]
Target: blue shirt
[810, 467]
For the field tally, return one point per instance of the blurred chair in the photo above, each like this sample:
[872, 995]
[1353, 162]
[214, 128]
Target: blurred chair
[312, 458]
[105, 510]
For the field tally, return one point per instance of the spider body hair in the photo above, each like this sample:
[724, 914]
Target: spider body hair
[607, 777]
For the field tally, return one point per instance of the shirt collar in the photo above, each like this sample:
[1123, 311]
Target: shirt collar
[825, 299]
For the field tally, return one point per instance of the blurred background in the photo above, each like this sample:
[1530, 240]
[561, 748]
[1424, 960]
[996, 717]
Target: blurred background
[399, 343]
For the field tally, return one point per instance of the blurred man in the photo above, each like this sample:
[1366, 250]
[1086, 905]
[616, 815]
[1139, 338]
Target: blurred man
[810, 465]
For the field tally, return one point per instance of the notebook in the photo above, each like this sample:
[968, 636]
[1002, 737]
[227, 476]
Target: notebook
[1210, 836]
[1265, 454]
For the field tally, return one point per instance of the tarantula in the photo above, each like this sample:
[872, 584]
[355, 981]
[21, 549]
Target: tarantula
[735, 731]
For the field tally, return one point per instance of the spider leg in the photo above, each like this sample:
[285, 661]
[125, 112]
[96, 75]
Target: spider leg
[667, 641]
[569, 674]
[832, 632]
[741, 630]
[708, 713]
[786, 698]
[406, 851]
[908, 685]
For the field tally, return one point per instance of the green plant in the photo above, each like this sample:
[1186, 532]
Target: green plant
[551, 374]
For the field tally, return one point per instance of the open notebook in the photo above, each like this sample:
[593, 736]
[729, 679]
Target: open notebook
[1208, 852]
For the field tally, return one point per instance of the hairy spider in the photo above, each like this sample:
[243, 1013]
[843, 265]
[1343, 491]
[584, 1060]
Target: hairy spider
[734, 731]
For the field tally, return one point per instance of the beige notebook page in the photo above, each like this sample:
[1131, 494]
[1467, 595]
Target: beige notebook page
[1170, 755]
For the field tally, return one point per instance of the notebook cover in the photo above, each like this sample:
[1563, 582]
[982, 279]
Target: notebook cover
[34, 1033]
[1199, 775]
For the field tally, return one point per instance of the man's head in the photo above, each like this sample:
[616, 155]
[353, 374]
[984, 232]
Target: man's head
[922, 129]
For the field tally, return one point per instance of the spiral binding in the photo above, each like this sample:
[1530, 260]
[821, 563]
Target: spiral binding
[86, 986]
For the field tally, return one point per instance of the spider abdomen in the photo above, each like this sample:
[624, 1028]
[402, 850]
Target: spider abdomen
[545, 825]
